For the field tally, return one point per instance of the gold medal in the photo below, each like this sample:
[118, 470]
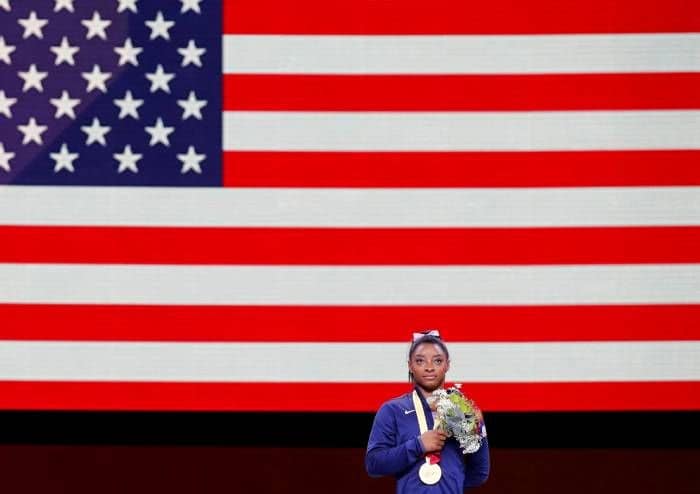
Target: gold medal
[430, 474]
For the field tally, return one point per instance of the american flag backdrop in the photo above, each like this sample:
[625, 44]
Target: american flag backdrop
[251, 204]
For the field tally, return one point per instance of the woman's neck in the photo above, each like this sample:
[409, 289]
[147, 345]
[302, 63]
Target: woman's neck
[426, 394]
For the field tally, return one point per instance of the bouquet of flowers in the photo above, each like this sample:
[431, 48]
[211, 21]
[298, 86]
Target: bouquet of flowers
[459, 417]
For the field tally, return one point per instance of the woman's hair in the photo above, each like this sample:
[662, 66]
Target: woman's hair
[430, 339]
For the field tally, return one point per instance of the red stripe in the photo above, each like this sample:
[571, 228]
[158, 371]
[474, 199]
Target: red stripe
[349, 246]
[461, 169]
[348, 324]
[461, 92]
[459, 17]
[353, 397]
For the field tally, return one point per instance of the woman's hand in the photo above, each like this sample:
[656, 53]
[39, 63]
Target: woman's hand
[433, 441]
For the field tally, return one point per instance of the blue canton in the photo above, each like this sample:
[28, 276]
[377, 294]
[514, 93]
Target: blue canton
[110, 92]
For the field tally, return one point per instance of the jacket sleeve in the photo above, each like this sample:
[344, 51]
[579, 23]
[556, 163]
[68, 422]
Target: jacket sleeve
[384, 456]
[477, 466]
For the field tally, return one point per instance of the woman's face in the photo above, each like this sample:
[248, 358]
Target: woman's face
[429, 364]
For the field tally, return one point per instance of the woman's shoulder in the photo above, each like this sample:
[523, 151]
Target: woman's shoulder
[398, 403]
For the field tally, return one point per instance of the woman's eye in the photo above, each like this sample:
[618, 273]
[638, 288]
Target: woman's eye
[438, 361]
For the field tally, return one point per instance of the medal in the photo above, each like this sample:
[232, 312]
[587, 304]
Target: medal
[429, 472]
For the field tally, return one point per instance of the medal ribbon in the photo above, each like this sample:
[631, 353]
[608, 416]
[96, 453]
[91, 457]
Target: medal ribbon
[431, 458]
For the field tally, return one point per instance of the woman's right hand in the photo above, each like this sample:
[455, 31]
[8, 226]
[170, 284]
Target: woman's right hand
[433, 440]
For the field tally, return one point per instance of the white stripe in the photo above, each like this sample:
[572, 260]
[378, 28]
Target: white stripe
[461, 131]
[509, 54]
[324, 285]
[518, 207]
[345, 362]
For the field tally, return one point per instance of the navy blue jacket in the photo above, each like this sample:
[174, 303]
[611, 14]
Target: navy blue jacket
[394, 448]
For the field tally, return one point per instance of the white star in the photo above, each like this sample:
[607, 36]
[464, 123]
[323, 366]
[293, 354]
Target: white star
[32, 79]
[32, 132]
[192, 107]
[64, 52]
[127, 160]
[5, 158]
[191, 160]
[159, 133]
[190, 5]
[160, 79]
[64, 159]
[127, 5]
[128, 53]
[5, 104]
[5, 51]
[64, 4]
[96, 26]
[128, 106]
[191, 54]
[33, 25]
[159, 27]
[96, 132]
[5, 5]
[96, 79]
[65, 105]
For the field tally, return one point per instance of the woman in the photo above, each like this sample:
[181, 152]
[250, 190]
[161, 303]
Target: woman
[396, 445]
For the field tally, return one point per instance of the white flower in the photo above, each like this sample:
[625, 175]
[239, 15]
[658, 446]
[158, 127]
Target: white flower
[459, 418]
